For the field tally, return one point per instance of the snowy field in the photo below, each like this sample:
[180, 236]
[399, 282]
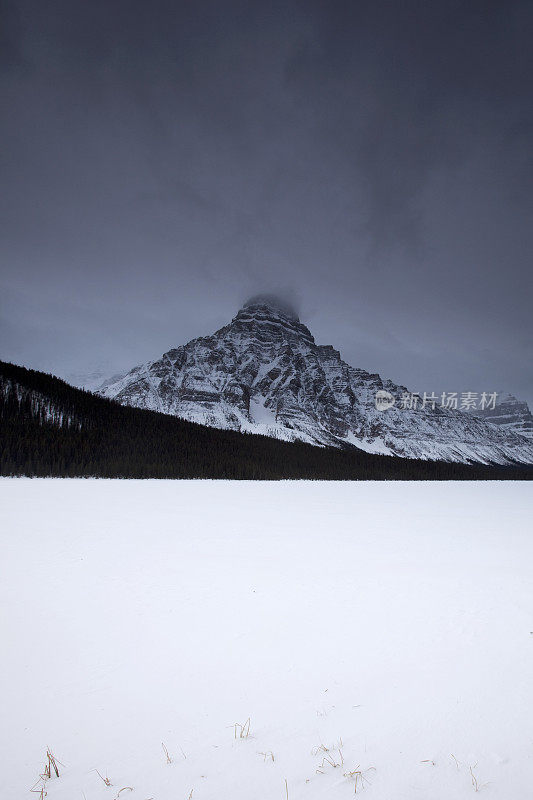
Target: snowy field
[381, 627]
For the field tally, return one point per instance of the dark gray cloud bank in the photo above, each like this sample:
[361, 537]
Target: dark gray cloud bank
[163, 161]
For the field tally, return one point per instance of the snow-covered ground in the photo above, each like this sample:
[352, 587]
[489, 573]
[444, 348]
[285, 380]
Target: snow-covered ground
[390, 623]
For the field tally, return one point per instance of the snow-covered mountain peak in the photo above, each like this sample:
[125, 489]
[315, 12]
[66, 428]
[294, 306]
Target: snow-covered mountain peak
[264, 373]
[268, 319]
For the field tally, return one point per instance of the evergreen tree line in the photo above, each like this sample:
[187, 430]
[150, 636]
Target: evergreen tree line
[51, 429]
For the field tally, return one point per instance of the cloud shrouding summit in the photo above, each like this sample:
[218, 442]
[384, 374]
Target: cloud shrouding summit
[277, 301]
[165, 161]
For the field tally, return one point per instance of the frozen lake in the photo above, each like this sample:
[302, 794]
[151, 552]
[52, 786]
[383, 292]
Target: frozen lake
[383, 627]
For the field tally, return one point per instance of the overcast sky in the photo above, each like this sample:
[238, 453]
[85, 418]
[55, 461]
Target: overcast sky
[164, 160]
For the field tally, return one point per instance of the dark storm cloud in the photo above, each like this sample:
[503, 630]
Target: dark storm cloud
[408, 88]
[163, 161]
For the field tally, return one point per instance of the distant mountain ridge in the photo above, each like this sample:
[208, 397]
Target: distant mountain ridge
[511, 414]
[264, 373]
[91, 381]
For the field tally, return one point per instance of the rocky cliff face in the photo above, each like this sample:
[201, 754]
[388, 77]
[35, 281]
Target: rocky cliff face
[511, 414]
[264, 373]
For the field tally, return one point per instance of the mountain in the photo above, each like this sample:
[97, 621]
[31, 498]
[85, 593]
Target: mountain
[91, 381]
[511, 414]
[264, 373]
[51, 429]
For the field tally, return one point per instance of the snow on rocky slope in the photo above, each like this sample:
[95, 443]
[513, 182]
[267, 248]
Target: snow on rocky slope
[386, 623]
[264, 373]
[511, 414]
